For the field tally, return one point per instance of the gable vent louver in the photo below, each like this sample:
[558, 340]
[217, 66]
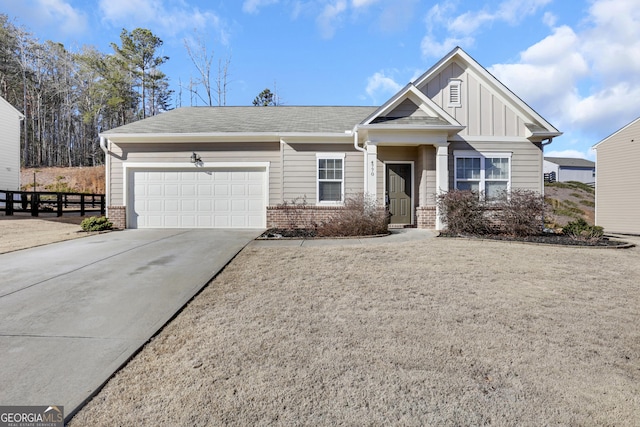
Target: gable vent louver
[455, 94]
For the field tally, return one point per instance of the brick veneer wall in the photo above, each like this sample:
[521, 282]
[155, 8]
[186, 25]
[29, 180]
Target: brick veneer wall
[299, 216]
[117, 216]
[426, 217]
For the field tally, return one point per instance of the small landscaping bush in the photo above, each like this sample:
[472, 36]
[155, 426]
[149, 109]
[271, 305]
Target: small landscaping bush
[95, 223]
[361, 216]
[463, 212]
[520, 212]
[581, 230]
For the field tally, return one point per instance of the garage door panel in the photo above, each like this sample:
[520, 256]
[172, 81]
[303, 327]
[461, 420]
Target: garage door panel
[206, 198]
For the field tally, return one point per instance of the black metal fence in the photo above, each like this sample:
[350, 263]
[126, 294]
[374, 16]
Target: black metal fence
[37, 202]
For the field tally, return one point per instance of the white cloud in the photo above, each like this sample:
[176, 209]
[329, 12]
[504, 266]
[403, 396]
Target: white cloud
[381, 86]
[586, 82]
[460, 29]
[69, 19]
[363, 3]
[252, 6]
[514, 11]
[433, 48]
[330, 17]
[575, 154]
[168, 21]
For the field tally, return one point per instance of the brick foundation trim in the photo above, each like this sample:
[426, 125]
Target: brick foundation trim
[118, 216]
[299, 216]
[426, 217]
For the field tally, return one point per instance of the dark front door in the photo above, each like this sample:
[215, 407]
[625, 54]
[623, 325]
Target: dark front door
[399, 192]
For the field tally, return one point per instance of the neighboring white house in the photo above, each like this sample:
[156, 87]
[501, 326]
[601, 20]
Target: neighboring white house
[618, 180]
[570, 169]
[456, 126]
[9, 146]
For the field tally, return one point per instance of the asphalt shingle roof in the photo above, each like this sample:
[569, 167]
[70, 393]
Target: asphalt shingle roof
[249, 119]
[571, 162]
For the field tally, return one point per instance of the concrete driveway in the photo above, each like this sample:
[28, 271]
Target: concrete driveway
[72, 313]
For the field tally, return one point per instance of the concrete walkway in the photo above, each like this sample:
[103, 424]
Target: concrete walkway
[73, 312]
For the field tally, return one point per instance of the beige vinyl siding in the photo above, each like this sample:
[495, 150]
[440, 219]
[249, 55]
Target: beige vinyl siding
[241, 152]
[483, 111]
[526, 161]
[407, 108]
[9, 147]
[300, 174]
[618, 181]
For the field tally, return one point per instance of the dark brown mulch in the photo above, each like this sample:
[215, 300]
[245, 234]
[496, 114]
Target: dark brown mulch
[289, 233]
[548, 239]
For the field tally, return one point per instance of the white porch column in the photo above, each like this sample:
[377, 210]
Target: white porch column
[442, 176]
[422, 188]
[371, 171]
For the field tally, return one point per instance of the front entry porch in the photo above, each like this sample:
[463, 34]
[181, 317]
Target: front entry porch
[412, 177]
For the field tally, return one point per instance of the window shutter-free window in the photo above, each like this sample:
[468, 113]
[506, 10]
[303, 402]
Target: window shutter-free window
[488, 174]
[330, 177]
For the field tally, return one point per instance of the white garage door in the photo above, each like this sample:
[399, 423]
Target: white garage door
[216, 198]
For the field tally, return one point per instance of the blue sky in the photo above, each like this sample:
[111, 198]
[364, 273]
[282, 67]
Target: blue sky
[576, 62]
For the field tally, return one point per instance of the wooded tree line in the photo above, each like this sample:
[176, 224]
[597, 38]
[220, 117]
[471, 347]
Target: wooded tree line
[68, 98]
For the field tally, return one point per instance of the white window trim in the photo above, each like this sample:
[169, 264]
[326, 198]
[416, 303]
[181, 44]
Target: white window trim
[323, 156]
[455, 83]
[482, 156]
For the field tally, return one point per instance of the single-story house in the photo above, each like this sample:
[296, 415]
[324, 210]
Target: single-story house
[570, 169]
[10, 119]
[618, 180]
[455, 126]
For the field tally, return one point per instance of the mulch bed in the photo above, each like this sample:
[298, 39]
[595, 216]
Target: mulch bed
[547, 239]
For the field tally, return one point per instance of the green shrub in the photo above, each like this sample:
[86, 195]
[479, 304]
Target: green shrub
[60, 186]
[581, 230]
[95, 223]
[462, 212]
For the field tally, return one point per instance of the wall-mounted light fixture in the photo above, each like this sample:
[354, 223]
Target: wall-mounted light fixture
[196, 159]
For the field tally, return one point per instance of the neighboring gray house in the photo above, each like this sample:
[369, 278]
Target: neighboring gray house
[9, 146]
[618, 180]
[456, 126]
[570, 169]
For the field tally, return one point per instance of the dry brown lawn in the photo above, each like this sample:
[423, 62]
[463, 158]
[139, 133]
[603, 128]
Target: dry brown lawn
[22, 231]
[437, 332]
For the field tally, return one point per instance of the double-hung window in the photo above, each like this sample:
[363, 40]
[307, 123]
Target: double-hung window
[488, 174]
[330, 168]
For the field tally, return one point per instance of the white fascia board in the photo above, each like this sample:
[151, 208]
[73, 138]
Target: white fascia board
[505, 139]
[219, 137]
[451, 130]
[189, 137]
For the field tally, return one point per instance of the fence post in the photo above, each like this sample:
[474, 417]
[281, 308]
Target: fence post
[59, 197]
[8, 203]
[103, 210]
[82, 205]
[35, 201]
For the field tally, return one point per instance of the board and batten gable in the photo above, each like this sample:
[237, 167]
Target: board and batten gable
[493, 122]
[9, 146]
[618, 181]
[217, 153]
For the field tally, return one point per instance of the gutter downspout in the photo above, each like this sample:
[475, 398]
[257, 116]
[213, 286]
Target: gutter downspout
[103, 146]
[364, 158]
